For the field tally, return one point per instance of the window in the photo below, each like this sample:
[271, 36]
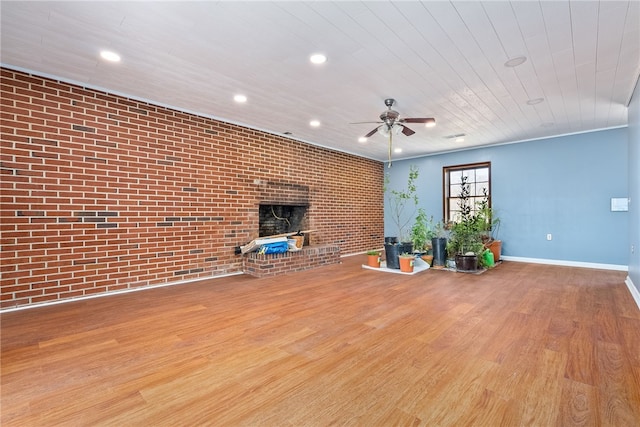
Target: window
[478, 178]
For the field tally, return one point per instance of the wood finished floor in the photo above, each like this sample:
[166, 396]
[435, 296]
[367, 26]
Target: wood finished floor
[521, 345]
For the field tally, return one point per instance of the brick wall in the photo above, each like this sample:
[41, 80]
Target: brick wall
[101, 193]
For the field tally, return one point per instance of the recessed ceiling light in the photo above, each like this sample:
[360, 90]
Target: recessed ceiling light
[460, 139]
[240, 98]
[430, 123]
[107, 55]
[362, 139]
[514, 62]
[397, 150]
[535, 101]
[318, 58]
[314, 123]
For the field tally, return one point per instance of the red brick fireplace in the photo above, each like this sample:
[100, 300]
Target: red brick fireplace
[285, 208]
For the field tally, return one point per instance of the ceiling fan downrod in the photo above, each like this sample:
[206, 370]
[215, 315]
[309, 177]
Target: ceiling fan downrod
[390, 141]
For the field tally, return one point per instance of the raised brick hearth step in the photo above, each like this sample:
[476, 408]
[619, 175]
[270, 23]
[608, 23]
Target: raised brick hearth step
[307, 258]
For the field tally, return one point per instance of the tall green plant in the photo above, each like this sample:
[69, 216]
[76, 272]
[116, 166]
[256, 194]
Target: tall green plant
[488, 220]
[403, 203]
[466, 233]
[422, 231]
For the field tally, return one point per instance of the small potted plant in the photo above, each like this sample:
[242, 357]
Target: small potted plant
[422, 233]
[489, 225]
[406, 262]
[373, 259]
[439, 245]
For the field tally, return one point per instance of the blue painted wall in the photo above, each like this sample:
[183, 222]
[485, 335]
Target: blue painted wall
[561, 186]
[634, 187]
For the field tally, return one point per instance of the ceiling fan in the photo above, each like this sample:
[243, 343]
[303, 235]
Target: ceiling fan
[392, 123]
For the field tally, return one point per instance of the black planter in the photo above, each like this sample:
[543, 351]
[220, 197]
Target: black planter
[391, 254]
[393, 249]
[406, 247]
[439, 245]
[466, 262]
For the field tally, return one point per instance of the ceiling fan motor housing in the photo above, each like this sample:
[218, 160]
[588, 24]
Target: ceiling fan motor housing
[389, 117]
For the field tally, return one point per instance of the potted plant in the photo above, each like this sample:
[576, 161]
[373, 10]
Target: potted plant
[439, 245]
[490, 225]
[373, 259]
[421, 234]
[450, 255]
[466, 233]
[406, 262]
[402, 205]
[466, 244]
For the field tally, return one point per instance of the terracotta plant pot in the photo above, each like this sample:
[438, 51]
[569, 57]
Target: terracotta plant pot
[406, 264]
[373, 260]
[427, 258]
[495, 246]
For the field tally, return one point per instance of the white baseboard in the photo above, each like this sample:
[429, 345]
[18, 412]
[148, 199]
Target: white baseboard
[633, 290]
[110, 293]
[598, 266]
[360, 253]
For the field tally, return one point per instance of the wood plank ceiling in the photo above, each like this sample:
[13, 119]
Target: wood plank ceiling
[437, 59]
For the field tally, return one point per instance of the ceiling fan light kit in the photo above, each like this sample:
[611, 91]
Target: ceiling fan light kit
[391, 124]
[385, 130]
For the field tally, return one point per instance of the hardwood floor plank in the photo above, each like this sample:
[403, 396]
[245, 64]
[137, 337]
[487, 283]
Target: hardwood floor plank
[399, 418]
[560, 330]
[579, 405]
[581, 364]
[486, 408]
[542, 401]
[521, 344]
[618, 388]
[630, 330]
[461, 389]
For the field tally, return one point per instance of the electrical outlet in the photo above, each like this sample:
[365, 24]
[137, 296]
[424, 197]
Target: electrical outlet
[633, 249]
[549, 236]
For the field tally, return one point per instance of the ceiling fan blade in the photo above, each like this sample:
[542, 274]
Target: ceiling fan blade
[406, 131]
[371, 133]
[418, 120]
[359, 123]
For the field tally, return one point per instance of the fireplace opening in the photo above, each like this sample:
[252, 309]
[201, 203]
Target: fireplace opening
[281, 219]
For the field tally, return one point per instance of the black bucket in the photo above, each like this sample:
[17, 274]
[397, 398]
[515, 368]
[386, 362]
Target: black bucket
[391, 253]
[439, 245]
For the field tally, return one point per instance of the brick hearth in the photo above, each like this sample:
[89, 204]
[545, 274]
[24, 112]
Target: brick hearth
[307, 258]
